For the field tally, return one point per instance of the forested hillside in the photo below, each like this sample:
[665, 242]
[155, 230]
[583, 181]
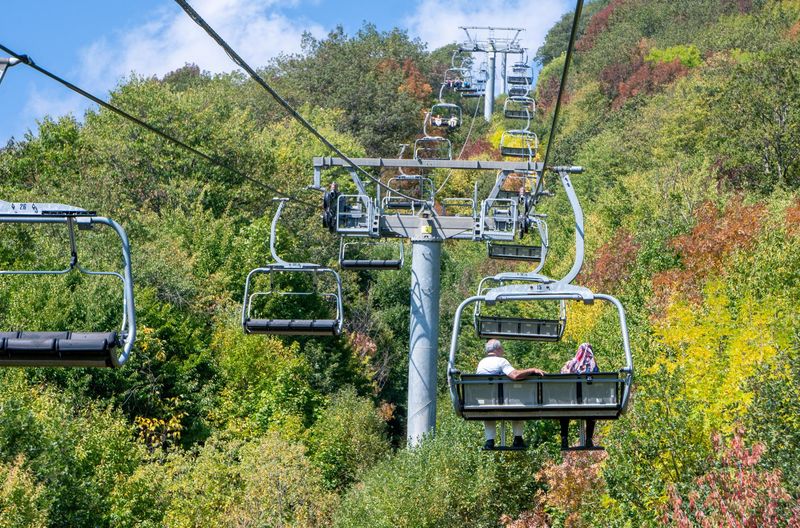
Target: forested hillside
[686, 117]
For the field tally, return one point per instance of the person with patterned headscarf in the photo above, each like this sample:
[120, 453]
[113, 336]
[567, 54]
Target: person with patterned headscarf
[582, 363]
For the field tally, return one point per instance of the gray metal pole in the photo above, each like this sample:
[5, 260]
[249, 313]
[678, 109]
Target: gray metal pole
[488, 98]
[503, 69]
[424, 338]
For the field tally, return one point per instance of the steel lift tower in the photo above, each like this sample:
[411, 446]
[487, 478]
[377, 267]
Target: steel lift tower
[492, 41]
[495, 217]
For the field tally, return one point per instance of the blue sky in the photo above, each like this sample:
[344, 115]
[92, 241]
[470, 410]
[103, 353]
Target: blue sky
[95, 43]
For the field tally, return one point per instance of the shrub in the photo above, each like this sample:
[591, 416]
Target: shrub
[734, 493]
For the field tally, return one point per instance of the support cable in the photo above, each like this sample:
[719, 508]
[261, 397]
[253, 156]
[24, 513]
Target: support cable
[563, 85]
[195, 16]
[214, 160]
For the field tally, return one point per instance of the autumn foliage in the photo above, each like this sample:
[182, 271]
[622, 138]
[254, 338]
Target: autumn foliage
[734, 494]
[705, 248]
[614, 262]
[597, 25]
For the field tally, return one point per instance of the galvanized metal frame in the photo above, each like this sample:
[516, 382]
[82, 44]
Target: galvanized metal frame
[71, 216]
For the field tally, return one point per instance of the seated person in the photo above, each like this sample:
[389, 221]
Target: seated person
[452, 122]
[495, 364]
[582, 363]
[437, 120]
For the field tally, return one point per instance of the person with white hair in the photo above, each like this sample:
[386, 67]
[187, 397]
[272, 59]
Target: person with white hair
[495, 364]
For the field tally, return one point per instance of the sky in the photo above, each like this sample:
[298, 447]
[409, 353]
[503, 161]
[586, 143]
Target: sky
[97, 43]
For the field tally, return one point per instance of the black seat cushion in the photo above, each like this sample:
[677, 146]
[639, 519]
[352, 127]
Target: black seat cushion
[370, 264]
[293, 326]
[57, 348]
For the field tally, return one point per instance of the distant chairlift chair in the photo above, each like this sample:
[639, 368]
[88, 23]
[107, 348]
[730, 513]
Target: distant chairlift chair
[444, 116]
[519, 144]
[68, 348]
[433, 148]
[310, 327]
[597, 396]
[519, 107]
[346, 260]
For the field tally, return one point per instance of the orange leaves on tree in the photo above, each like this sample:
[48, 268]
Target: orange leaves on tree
[647, 78]
[573, 483]
[572, 487]
[614, 262]
[597, 25]
[705, 249]
[414, 83]
[736, 493]
[793, 216]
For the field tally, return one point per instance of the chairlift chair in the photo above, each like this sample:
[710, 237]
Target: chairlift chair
[517, 328]
[349, 262]
[443, 116]
[519, 144]
[520, 90]
[521, 107]
[596, 396]
[309, 327]
[523, 252]
[66, 348]
[433, 148]
[411, 184]
[520, 75]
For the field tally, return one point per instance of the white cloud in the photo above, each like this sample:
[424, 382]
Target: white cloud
[255, 29]
[170, 39]
[437, 21]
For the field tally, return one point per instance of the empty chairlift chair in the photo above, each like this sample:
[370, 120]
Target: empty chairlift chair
[418, 187]
[519, 144]
[65, 348]
[433, 148]
[329, 326]
[520, 75]
[597, 396]
[523, 252]
[358, 261]
[519, 107]
[495, 326]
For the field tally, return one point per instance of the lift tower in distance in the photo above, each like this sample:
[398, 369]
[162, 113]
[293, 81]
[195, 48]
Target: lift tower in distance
[492, 41]
[366, 214]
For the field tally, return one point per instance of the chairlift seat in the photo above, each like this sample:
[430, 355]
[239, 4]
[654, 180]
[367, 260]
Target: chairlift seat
[572, 396]
[78, 349]
[519, 80]
[519, 90]
[310, 327]
[516, 152]
[520, 329]
[515, 252]
[516, 114]
[371, 264]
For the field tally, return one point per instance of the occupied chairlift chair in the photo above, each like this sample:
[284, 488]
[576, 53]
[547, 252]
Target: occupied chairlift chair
[444, 116]
[310, 327]
[596, 396]
[67, 348]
